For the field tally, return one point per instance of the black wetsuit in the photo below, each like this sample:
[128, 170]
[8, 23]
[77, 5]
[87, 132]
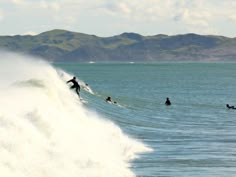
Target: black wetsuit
[75, 85]
[230, 107]
[108, 99]
[167, 103]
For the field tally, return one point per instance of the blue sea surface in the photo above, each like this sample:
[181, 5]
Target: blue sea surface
[195, 136]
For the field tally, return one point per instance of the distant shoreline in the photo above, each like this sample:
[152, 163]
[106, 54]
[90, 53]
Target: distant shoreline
[62, 45]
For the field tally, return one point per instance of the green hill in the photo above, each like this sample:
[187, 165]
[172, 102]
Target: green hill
[61, 45]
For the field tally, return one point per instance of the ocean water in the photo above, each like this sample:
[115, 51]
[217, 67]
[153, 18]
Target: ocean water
[195, 136]
[47, 131]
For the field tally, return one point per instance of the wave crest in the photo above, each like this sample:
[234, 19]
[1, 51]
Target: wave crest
[45, 131]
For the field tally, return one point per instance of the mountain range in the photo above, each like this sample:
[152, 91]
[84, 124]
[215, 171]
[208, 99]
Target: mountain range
[66, 46]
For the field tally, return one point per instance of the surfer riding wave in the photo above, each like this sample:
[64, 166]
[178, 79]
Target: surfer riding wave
[75, 85]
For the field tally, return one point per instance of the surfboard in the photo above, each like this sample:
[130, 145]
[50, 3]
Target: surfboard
[83, 101]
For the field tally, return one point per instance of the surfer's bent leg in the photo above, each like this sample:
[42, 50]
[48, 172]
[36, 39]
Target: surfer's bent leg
[77, 90]
[73, 86]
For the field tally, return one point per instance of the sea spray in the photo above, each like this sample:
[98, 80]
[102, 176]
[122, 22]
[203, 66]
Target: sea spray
[46, 132]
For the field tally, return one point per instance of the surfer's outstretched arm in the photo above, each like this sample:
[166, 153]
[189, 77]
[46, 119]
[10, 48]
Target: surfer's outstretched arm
[69, 81]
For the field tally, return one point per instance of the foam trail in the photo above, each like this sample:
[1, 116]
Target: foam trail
[46, 132]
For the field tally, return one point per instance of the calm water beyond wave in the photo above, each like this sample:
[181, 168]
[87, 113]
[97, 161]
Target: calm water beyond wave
[195, 136]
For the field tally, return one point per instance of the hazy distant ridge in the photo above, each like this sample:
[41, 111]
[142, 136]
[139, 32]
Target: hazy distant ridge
[61, 45]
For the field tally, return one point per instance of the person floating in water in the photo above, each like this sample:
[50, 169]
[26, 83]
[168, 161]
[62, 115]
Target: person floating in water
[75, 85]
[230, 107]
[108, 99]
[167, 103]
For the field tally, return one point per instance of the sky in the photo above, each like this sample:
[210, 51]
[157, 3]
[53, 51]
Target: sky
[106, 18]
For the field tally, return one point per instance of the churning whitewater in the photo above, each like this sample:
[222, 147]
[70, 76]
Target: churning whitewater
[45, 131]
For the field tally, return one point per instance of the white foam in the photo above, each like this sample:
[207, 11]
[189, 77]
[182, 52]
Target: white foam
[46, 132]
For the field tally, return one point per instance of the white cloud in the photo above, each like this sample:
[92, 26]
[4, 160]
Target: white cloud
[233, 17]
[49, 5]
[135, 10]
[18, 2]
[28, 4]
[1, 15]
[124, 8]
[196, 18]
[32, 33]
[229, 12]
[55, 6]
[172, 16]
[67, 20]
[158, 10]
[43, 4]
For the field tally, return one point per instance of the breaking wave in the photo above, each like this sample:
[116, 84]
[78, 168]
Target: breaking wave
[45, 131]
